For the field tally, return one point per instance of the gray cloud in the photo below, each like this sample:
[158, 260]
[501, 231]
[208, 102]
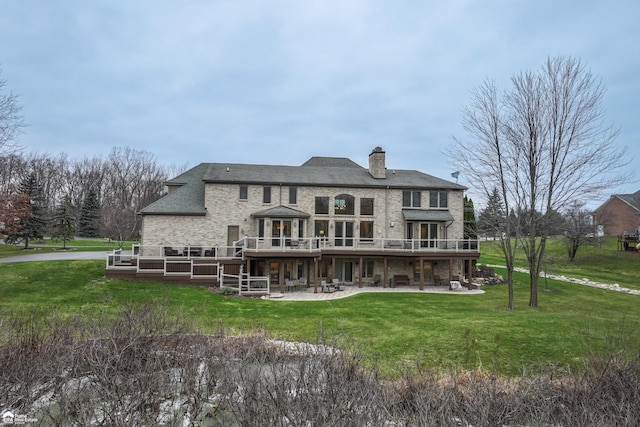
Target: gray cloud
[278, 82]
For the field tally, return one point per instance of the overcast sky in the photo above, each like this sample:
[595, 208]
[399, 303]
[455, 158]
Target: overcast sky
[276, 82]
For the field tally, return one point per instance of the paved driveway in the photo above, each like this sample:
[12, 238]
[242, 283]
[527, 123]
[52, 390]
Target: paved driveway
[56, 256]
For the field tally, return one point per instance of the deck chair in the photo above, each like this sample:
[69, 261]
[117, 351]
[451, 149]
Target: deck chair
[326, 287]
[376, 280]
[337, 284]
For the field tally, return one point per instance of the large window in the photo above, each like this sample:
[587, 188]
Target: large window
[344, 204]
[266, 195]
[322, 205]
[293, 195]
[411, 199]
[366, 206]
[366, 231]
[244, 192]
[438, 199]
[321, 228]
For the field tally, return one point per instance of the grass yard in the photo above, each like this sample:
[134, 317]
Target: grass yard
[48, 245]
[400, 332]
[599, 261]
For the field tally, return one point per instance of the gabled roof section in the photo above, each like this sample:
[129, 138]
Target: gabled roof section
[632, 200]
[281, 212]
[323, 162]
[322, 171]
[186, 199]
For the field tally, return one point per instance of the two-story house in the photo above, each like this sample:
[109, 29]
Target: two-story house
[328, 218]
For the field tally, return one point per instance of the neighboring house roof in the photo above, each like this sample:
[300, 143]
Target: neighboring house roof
[426, 215]
[187, 195]
[633, 200]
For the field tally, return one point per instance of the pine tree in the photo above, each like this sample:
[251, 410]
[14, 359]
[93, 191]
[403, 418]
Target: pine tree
[64, 222]
[470, 225]
[33, 225]
[90, 215]
[492, 218]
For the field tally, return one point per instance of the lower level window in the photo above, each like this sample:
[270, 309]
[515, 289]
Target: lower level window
[367, 268]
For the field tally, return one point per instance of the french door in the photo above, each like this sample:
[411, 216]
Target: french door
[344, 271]
[429, 235]
[280, 231]
[344, 233]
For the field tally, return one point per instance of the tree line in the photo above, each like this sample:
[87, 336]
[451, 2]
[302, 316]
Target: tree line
[91, 197]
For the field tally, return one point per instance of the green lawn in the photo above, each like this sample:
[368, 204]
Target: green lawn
[400, 332]
[600, 261]
[47, 245]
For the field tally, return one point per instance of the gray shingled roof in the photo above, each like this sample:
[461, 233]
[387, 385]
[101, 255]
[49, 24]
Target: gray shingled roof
[188, 198]
[632, 200]
[281, 212]
[426, 215]
[331, 176]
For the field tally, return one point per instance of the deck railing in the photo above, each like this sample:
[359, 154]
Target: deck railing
[288, 244]
[301, 245]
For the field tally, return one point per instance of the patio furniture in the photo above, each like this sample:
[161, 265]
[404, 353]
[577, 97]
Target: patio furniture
[169, 251]
[192, 251]
[210, 252]
[337, 284]
[290, 285]
[326, 287]
[401, 279]
[302, 282]
[377, 279]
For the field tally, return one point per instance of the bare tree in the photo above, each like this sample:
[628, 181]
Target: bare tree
[133, 179]
[579, 228]
[489, 161]
[11, 120]
[12, 168]
[544, 142]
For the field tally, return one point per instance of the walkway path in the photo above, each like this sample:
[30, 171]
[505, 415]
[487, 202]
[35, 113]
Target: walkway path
[585, 282]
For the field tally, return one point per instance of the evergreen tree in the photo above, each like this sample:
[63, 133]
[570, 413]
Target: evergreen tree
[90, 215]
[64, 222]
[470, 225]
[491, 221]
[33, 225]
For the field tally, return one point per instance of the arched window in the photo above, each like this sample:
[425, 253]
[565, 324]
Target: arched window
[344, 204]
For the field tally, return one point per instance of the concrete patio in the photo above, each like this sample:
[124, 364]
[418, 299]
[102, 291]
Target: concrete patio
[308, 295]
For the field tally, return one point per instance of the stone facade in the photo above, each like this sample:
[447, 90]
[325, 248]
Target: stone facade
[225, 208]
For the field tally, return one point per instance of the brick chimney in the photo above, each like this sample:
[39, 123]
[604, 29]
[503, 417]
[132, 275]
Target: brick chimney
[377, 167]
